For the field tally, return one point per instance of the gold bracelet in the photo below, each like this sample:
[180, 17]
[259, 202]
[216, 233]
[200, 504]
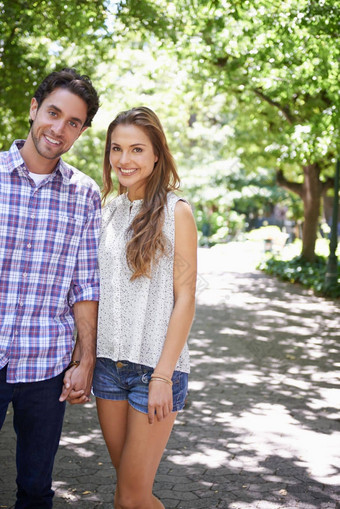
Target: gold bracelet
[73, 363]
[158, 379]
[157, 375]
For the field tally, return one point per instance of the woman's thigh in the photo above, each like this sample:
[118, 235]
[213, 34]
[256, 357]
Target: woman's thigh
[113, 422]
[142, 452]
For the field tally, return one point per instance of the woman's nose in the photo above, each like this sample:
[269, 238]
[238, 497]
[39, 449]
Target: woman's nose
[124, 157]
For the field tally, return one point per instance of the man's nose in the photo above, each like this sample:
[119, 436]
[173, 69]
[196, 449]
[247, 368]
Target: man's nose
[58, 126]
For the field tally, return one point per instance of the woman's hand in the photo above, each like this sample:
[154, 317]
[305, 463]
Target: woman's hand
[160, 400]
[74, 384]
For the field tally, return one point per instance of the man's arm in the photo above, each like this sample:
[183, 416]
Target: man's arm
[78, 379]
[83, 298]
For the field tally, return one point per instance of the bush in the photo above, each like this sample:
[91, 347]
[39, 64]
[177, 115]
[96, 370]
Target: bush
[217, 227]
[297, 270]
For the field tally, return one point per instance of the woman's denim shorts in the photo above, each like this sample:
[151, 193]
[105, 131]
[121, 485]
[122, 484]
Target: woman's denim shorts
[123, 380]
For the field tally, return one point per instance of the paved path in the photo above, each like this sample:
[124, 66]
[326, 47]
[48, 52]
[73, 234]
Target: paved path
[262, 429]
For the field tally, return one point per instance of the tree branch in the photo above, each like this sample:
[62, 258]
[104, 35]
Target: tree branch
[291, 186]
[285, 110]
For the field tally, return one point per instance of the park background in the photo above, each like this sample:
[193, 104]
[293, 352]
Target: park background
[247, 91]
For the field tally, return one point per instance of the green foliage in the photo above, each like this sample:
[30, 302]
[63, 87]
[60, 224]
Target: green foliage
[87, 154]
[297, 270]
[241, 88]
[37, 37]
[276, 65]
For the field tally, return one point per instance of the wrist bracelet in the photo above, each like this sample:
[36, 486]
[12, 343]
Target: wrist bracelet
[73, 363]
[158, 379]
[163, 377]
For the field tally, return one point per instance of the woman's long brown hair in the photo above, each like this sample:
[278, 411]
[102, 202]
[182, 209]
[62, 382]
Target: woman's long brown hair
[147, 241]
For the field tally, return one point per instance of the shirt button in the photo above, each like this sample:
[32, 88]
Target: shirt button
[16, 332]
[21, 303]
[32, 216]
[24, 274]
[29, 246]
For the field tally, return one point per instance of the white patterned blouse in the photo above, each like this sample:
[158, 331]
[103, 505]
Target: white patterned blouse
[134, 315]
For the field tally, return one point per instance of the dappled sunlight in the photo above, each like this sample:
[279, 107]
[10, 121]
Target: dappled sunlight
[264, 505]
[272, 427]
[262, 420]
[234, 332]
[64, 492]
[246, 377]
[73, 441]
[328, 398]
[72, 438]
[211, 458]
[271, 408]
[196, 386]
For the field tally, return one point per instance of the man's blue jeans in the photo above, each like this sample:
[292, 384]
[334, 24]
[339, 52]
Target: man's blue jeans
[38, 419]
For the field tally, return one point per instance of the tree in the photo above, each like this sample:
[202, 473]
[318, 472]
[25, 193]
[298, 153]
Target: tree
[223, 197]
[35, 38]
[277, 65]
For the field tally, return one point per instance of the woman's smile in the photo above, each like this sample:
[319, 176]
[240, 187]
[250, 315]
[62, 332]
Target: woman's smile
[128, 171]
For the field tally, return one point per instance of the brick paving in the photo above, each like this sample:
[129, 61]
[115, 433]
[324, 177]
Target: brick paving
[262, 425]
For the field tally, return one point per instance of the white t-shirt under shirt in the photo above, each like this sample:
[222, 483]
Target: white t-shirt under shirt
[134, 315]
[38, 177]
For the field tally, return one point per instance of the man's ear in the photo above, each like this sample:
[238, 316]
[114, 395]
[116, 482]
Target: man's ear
[33, 108]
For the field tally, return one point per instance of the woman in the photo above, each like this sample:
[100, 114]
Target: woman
[147, 260]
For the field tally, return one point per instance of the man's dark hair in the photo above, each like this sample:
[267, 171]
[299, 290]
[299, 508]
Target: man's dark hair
[80, 85]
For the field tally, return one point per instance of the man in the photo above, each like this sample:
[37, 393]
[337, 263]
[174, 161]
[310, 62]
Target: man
[49, 226]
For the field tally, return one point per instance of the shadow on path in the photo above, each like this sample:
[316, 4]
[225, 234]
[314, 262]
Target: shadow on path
[262, 425]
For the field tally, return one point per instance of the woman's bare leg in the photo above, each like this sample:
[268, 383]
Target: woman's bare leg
[113, 422]
[142, 452]
[136, 448]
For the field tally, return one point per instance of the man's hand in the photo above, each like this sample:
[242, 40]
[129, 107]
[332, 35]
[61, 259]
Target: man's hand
[78, 379]
[77, 386]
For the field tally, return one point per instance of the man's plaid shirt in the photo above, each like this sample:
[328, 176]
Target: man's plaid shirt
[48, 261]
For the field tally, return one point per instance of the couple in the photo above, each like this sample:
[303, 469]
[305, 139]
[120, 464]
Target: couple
[49, 284]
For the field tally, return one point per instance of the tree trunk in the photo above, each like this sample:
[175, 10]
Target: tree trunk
[312, 189]
[310, 192]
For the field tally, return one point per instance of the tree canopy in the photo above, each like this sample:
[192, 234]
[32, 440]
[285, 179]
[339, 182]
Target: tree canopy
[277, 66]
[244, 87]
[37, 36]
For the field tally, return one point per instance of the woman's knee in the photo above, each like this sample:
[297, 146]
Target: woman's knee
[129, 501]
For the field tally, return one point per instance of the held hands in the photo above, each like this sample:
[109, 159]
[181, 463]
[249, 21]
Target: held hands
[160, 398]
[77, 386]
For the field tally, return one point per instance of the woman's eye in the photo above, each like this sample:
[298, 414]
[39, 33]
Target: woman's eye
[137, 149]
[115, 149]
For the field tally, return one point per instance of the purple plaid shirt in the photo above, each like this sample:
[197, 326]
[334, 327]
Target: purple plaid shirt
[48, 261]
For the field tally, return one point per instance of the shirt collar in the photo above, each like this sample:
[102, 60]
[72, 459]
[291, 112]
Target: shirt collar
[15, 160]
